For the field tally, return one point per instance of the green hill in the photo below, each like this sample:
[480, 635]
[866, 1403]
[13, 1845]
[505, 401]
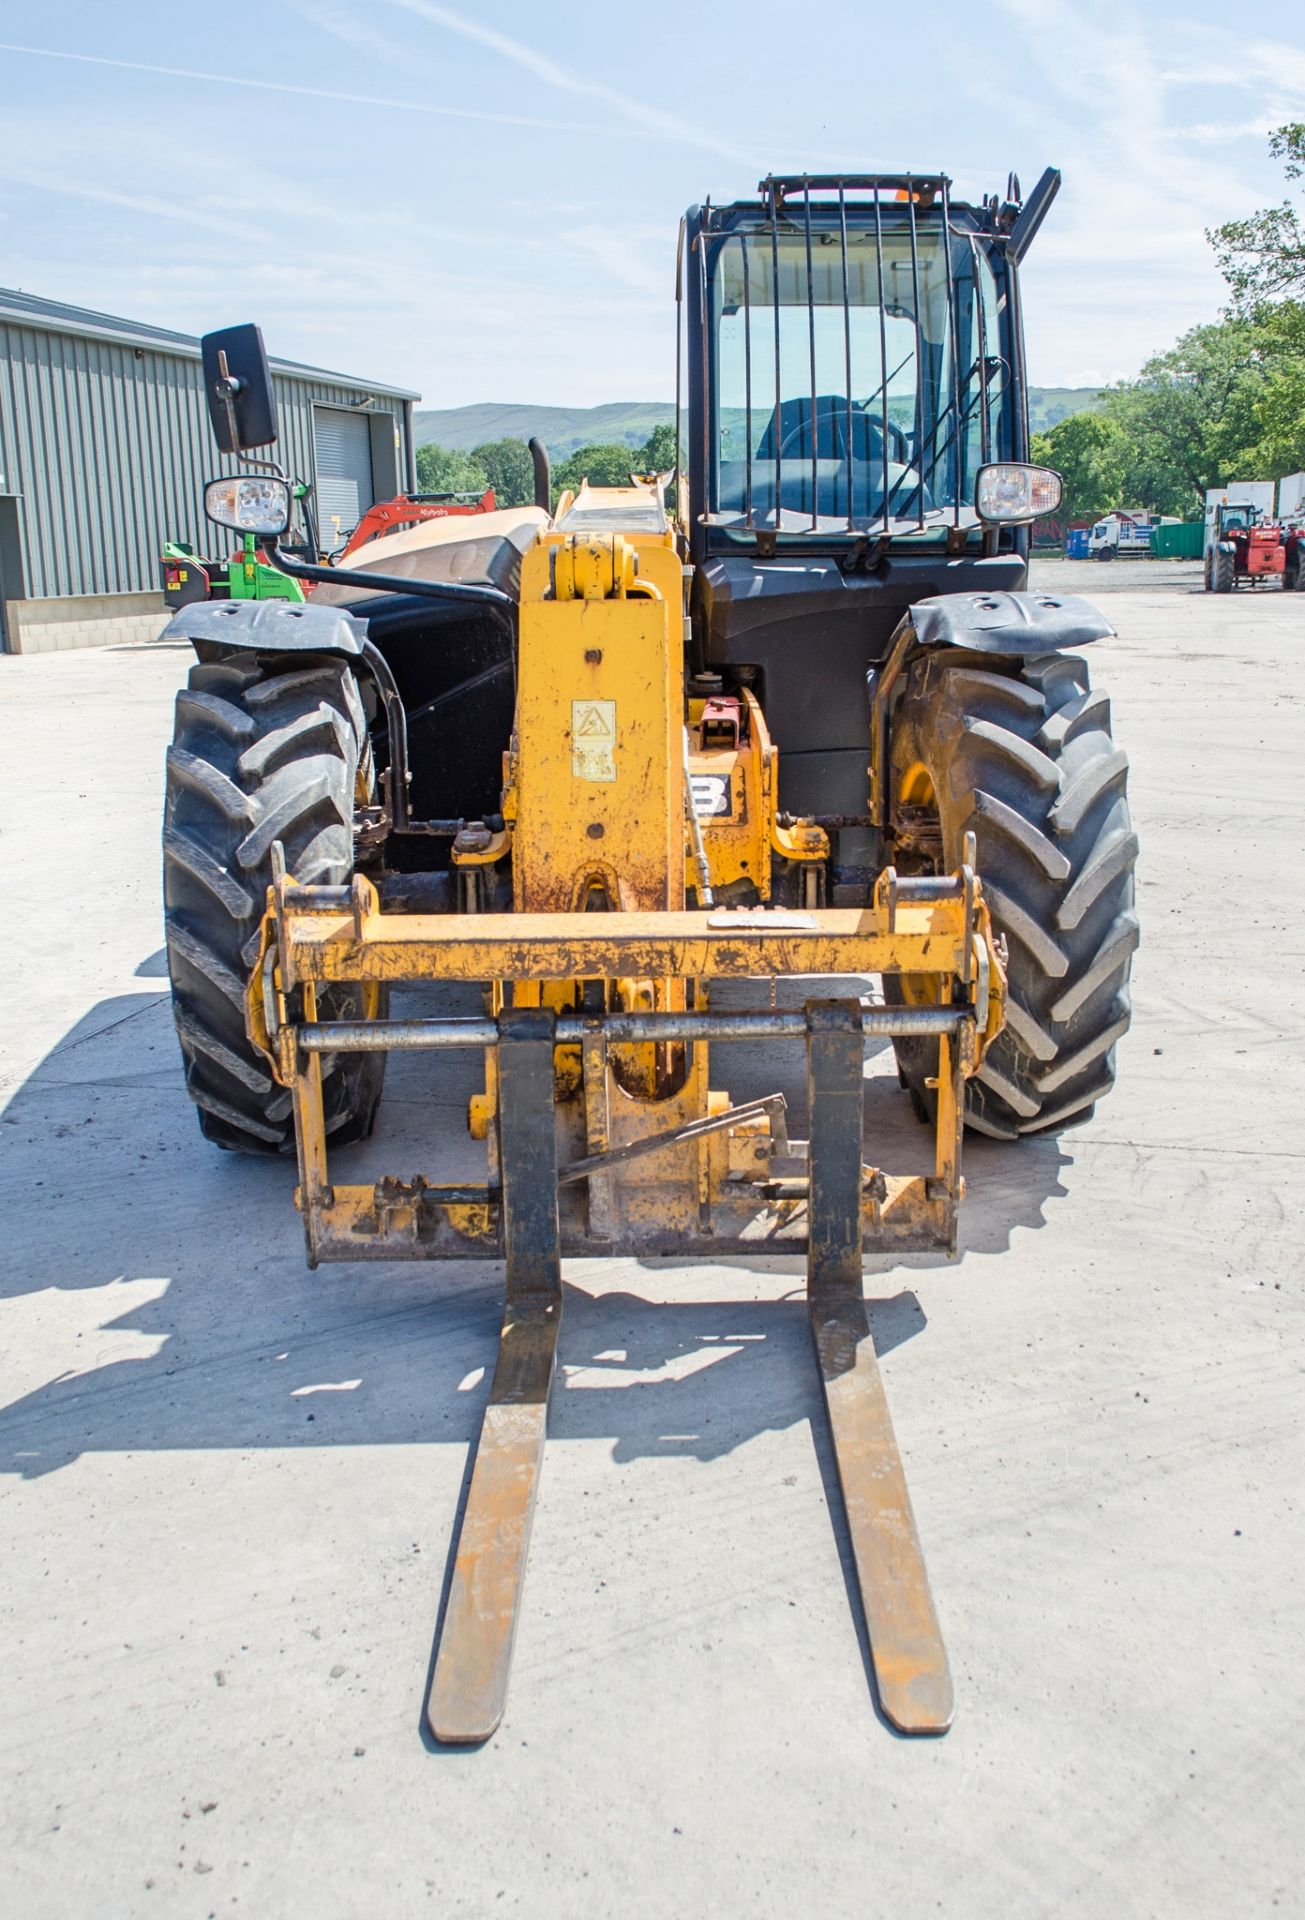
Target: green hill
[1049, 404]
[563, 429]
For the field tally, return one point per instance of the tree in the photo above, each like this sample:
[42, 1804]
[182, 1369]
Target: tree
[509, 470]
[1280, 407]
[1191, 417]
[1091, 453]
[1226, 401]
[657, 454]
[1263, 257]
[601, 466]
[448, 470]
[611, 464]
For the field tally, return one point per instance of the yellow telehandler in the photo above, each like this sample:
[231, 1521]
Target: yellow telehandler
[599, 755]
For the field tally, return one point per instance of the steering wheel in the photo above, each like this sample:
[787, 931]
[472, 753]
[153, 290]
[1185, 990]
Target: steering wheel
[897, 441]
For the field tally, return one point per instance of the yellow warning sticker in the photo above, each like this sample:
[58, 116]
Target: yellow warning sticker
[593, 739]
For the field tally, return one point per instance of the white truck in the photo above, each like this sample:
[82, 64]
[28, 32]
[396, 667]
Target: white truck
[1240, 493]
[1122, 534]
[1291, 497]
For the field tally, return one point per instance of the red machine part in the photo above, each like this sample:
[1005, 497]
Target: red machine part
[1262, 549]
[721, 722]
[407, 509]
[184, 581]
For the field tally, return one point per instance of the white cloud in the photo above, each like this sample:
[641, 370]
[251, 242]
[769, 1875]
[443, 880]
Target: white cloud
[1124, 257]
[75, 186]
[568, 79]
[438, 110]
[1218, 133]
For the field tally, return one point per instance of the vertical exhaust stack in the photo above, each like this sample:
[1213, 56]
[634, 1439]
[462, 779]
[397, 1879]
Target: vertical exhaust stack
[543, 475]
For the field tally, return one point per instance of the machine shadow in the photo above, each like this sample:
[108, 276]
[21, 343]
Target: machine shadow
[159, 1297]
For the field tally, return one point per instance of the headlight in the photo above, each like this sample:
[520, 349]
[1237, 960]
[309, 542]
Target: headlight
[1008, 493]
[251, 503]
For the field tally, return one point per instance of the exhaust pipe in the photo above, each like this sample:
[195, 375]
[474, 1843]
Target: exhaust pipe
[543, 475]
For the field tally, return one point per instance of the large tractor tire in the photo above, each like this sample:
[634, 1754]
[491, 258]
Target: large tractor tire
[1020, 753]
[1223, 571]
[260, 753]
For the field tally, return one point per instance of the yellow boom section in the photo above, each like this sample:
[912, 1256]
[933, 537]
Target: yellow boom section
[598, 760]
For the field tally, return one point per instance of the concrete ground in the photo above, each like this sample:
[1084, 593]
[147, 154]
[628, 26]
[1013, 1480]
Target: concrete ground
[1095, 577]
[228, 1484]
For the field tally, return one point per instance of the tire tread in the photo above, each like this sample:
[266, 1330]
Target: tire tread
[1024, 758]
[259, 755]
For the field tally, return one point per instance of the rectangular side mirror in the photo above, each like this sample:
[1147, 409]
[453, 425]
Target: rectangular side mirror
[238, 388]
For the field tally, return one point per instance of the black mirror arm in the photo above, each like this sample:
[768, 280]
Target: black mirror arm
[498, 605]
[451, 593]
[226, 387]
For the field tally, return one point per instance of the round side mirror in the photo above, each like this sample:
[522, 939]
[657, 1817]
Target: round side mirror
[251, 503]
[1008, 493]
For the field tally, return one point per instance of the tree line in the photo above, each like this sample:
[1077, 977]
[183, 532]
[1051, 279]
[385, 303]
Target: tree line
[506, 466]
[1226, 402]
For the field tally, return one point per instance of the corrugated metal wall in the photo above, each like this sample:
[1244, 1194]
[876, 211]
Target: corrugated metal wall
[110, 446]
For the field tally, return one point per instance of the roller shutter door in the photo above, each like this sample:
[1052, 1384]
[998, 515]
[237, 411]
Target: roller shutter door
[343, 444]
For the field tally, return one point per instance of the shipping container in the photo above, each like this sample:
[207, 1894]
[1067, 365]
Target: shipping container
[1179, 541]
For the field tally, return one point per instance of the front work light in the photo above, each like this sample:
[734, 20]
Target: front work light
[251, 503]
[1008, 494]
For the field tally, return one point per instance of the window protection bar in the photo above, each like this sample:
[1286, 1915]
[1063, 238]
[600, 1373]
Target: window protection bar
[847, 342]
[811, 335]
[883, 353]
[956, 353]
[916, 191]
[919, 360]
[985, 423]
[775, 187]
[748, 520]
[779, 390]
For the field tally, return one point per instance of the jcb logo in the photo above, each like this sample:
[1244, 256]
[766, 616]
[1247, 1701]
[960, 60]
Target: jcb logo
[711, 795]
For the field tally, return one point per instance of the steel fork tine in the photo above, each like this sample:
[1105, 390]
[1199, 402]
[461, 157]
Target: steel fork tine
[468, 1690]
[906, 1647]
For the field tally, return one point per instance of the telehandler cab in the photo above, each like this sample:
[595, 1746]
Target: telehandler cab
[597, 758]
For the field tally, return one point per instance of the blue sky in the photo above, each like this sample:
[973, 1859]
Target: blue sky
[481, 202]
